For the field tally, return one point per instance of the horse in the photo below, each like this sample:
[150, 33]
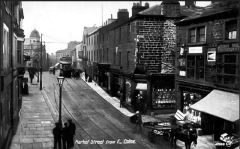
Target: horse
[186, 134]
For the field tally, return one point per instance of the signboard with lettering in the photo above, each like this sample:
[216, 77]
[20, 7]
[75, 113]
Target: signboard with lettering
[194, 50]
[228, 48]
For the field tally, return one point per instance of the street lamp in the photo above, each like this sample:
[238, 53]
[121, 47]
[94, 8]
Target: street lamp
[60, 83]
[41, 65]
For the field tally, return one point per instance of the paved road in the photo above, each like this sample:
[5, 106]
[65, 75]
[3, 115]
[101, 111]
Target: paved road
[98, 122]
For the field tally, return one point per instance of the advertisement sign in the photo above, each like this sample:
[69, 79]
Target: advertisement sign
[211, 55]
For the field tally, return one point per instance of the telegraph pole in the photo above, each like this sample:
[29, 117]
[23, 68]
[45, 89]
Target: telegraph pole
[41, 65]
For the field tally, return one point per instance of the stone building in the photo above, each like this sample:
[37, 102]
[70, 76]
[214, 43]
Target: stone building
[11, 68]
[207, 62]
[136, 55]
[32, 48]
[87, 64]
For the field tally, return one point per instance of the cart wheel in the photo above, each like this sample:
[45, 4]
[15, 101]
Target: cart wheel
[151, 137]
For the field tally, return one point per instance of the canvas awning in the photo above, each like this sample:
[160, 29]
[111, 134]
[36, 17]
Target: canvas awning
[141, 86]
[221, 104]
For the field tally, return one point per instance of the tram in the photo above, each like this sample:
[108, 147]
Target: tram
[65, 66]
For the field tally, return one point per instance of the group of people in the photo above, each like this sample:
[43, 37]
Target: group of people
[64, 136]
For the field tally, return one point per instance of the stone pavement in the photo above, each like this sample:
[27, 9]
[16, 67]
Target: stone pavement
[204, 141]
[36, 122]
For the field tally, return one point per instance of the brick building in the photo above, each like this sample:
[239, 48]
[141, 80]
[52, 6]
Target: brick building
[207, 62]
[11, 68]
[136, 55]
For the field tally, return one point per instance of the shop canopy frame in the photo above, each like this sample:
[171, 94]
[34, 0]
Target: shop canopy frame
[221, 104]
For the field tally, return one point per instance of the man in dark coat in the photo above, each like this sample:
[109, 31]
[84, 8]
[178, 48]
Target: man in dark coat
[138, 121]
[72, 129]
[57, 136]
[65, 135]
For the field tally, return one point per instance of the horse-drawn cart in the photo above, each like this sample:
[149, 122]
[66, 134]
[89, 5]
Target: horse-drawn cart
[158, 129]
[171, 130]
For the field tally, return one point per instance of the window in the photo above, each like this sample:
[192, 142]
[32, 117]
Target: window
[128, 32]
[114, 57]
[19, 56]
[231, 30]
[197, 34]
[6, 56]
[120, 58]
[227, 69]
[195, 67]
[120, 36]
[107, 54]
[128, 54]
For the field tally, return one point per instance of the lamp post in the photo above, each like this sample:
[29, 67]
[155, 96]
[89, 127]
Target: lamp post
[60, 83]
[41, 65]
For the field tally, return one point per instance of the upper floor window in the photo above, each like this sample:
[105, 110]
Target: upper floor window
[227, 69]
[231, 30]
[128, 54]
[197, 34]
[120, 58]
[195, 67]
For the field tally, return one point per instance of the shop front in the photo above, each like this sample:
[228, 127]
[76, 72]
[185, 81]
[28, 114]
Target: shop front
[102, 75]
[163, 92]
[220, 113]
[139, 101]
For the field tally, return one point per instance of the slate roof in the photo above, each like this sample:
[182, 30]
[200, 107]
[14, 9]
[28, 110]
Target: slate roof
[184, 11]
[214, 8]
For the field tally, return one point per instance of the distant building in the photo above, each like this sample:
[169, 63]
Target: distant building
[32, 48]
[69, 52]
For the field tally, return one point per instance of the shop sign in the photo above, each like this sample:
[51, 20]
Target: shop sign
[227, 48]
[195, 50]
[182, 73]
[211, 55]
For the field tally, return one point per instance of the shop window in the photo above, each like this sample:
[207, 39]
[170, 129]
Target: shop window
[231, 30]
[195, 67]
[227, 69]
[163, 98]
[190, 98]
[197, 34]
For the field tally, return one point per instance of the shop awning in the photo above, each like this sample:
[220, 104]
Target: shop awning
[141, 86]
[221, 104]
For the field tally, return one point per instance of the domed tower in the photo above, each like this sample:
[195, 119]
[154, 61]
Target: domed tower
[34, 36]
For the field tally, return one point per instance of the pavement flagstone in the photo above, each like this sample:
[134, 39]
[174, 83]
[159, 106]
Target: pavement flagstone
[36, 122]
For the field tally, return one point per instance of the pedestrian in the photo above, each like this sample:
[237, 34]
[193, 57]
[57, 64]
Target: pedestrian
[57, 136]
[53, 70]
[72, 129]
[138, 121]
[65, 135]
[25, 88]
[30, 72]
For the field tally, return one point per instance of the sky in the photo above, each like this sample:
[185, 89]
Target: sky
[60, 22]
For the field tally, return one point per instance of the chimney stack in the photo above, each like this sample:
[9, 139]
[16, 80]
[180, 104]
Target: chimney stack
[122, 14]
[190, 3]
[137, 7]
[170, 8]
